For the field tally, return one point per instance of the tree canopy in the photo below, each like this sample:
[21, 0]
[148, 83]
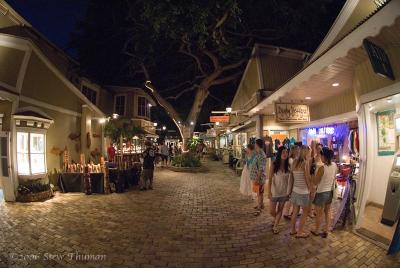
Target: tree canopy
[191, 50]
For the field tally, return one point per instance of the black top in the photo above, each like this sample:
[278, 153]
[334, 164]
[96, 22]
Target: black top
[149, 156]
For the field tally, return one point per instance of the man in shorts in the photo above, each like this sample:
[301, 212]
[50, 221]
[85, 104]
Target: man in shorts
[149, 155]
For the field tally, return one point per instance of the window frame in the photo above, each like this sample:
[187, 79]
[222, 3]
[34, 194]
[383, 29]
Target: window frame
[146, 105]
[32, 131]
[125, 103]
[96, 91]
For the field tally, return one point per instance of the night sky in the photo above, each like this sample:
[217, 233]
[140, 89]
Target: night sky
[56, 19]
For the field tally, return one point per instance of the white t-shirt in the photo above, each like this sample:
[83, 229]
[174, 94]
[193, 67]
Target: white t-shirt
[327, 180]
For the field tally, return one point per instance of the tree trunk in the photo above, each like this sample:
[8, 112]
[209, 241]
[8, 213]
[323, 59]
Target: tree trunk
[201, 96]
[187, 134]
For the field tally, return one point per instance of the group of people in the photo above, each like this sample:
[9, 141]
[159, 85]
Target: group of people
[302, 178]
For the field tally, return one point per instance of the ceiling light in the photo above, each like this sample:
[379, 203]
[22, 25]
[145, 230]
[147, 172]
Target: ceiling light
[335, 84]
[308, 98]
[149, 105]
[217, 123]
[371, 108]
[228, 109]
[115, 116]
[164, 128]
[155, 124]
[102, 120]
[389, 100]
[191, 123]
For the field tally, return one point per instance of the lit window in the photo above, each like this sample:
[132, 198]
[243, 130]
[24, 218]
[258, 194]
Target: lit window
[120, 104]
[31, 153]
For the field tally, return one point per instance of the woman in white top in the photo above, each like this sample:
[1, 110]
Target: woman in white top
[245, 182]
[294, 154]
[325, 180]
[278, 190]
[302, 189]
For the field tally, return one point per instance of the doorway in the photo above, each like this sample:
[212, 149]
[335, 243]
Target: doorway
[5, 181]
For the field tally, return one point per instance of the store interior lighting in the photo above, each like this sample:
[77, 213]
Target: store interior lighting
[335, 84]
[308, 98]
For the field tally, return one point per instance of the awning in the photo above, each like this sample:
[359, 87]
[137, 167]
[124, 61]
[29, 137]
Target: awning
[337, 63]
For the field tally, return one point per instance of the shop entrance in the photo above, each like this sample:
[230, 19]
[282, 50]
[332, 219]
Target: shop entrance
[381, 198]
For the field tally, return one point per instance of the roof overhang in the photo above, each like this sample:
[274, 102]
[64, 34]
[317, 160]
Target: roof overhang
[385, 17]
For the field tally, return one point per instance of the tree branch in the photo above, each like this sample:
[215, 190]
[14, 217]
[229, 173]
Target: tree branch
[225, 80]
[182, 92]
[196, 58]
[233, 65]
[213, 58]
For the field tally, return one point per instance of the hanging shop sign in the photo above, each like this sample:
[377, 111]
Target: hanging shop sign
[219, 118]
[386, 132]
[379, 59]
[292, 113]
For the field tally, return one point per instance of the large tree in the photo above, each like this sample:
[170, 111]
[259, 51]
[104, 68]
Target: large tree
[181, 50]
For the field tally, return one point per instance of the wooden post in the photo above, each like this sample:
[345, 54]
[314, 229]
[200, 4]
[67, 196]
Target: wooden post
[86, 179]
[104, 170]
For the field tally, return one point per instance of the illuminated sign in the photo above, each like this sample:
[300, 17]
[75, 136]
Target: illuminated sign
[321, 131]
[292, 113]
[219, 118]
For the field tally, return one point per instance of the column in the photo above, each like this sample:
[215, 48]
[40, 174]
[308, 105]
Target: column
[259, 125]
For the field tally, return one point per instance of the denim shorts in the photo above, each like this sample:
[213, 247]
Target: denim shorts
[323, 198]
[280, 199]
[302, 200]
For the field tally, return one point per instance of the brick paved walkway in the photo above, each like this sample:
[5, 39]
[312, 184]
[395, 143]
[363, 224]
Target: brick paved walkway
[189, 220]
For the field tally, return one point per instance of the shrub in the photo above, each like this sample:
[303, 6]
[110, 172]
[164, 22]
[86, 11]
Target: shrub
[33, 187]
[186, 160]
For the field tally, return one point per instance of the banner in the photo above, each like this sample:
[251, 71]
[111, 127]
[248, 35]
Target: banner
[292, 113]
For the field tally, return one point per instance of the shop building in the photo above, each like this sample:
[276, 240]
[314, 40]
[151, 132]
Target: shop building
[351, 86]
[45, 107]
[268, 68]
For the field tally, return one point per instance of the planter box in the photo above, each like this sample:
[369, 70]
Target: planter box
[34, 197]
[188, 169]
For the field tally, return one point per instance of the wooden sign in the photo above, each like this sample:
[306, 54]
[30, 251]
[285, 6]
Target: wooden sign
[379, 60]
[292, 113]
[219, 118]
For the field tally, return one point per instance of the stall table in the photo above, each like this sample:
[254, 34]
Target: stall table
[73, 182]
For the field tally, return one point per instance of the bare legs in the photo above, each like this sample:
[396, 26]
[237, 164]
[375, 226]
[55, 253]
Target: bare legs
[324, 211]
[276, 209]
[303, 218]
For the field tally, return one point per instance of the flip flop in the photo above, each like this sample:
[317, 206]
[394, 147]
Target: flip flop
[287, 217]
[257, 213]
[314, 233]
[294, 233]
[324, 234]
[275, 231]
[304, 235]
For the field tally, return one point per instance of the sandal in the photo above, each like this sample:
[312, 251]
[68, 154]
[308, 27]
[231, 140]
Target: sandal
[293, 233]
[303, 235]
[275, 230]
[287, 217]
[324, 234]
[314, 233]
[257, 213]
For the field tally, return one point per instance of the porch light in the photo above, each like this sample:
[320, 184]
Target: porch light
[102, 120]
[149, 105]
[164, 128]
[179, 122]
[115, 116]
[335, 84]
[155, 124]
[308, 98]
[228, 109]
[191, 123]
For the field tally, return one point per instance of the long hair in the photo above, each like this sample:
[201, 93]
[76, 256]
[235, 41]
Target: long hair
[302, 156]
[278, 159]
[328, 155]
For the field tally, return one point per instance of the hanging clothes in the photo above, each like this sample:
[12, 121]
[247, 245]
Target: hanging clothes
[268, 146]
[277, 144]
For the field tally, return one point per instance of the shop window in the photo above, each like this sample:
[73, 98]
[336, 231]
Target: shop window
[120, 104]
[90, 94]
[31, 153]
[143, 107]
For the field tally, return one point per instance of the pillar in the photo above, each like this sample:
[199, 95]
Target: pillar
[259, 125]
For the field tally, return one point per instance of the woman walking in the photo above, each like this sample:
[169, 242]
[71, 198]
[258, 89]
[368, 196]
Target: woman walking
[258, 175]
[325, 179]
[245, 182]
[302, 189]
[278, 184]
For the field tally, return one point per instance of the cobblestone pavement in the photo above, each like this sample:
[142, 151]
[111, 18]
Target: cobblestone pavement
[189, 220]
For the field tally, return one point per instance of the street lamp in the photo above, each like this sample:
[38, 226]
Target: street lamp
[164, 128]
[155, 124]
[149, 105]
[115, 116]
[191, 123]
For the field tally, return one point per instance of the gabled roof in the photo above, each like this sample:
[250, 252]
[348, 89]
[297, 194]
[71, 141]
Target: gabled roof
[353, 13]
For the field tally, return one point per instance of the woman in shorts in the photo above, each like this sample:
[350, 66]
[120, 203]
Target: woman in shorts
[325, 180]
[278, 183]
